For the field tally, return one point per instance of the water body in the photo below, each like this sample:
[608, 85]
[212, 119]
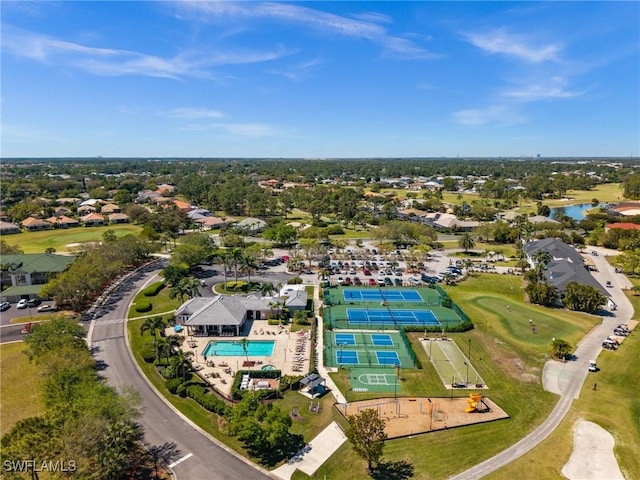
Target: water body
[577, 212]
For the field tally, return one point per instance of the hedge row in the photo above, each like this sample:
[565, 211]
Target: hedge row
[208, 401]
[153, 289]
[142, 307]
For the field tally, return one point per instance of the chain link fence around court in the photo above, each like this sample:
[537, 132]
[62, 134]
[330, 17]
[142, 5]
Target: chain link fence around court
[364, 349]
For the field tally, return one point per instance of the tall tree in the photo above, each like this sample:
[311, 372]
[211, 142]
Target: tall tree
[466, 242]
[367, 436]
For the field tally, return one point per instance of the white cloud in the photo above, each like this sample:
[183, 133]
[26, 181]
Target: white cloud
[373, 17]
[363, 26]
[519, 46]
[299, 71]
[494, 115]
[253, 130]
[192, 113]
[552, 88]
[115, 62]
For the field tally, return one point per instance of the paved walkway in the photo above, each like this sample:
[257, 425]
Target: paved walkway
[314, 454]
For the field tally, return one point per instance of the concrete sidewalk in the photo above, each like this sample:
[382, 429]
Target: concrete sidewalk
[314, 454]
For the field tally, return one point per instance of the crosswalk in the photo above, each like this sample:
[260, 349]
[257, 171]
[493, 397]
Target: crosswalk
[108, 322]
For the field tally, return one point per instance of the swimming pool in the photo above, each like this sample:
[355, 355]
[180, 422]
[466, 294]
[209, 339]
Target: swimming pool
[230, 348]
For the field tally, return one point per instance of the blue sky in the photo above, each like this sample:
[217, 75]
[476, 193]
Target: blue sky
[320, 79]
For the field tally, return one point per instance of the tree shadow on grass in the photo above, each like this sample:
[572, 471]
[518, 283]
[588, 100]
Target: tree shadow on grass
[392, 471]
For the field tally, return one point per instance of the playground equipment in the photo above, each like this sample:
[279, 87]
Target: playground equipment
[476, 403]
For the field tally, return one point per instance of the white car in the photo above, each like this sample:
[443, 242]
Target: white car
[47, 308]
[22, 304]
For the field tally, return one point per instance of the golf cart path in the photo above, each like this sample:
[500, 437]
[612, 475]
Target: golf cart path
[565, 379]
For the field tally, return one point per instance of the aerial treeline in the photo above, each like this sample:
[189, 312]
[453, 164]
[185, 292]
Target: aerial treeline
[87, 427]
[120, 179]
[95, 268]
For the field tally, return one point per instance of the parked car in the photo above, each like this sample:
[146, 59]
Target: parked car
[48, 307]
[367, 271]
[22, 304]
[4, 306]
[357, 281]
[33, 302]
[620, 332]
[609, 284]
[372, 282]
[397, 282]
[387, 281]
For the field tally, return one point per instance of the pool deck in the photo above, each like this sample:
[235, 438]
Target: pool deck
[291, 354]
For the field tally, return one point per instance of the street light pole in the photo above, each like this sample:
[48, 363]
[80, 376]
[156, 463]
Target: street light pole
[430, 413]
[466, 380]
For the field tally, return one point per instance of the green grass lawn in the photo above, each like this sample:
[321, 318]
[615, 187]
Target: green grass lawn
[38, 242]
[160, 303]
[508, 357]
[615, 406]
[21, 392]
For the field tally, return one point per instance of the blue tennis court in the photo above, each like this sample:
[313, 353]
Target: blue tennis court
[391, 317]
[344, 339]
[381, 339]
[347, 357]
[388, 358]
[372, 295]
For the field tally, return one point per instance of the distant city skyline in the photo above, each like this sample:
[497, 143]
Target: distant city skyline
[320, 79]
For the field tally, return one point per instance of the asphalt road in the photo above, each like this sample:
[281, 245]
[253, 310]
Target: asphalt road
[194, 454]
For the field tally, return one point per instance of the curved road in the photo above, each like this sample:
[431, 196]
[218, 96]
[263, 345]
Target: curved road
[567, 378]
[194, 454]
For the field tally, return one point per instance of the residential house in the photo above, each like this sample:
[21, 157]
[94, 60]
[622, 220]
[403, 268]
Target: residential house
[252, 226]
[24, 275]
[62, 221]
[93, 220]
[8, 228]
[622, 226]
[110, 208]
[33, 224]
[118, 218]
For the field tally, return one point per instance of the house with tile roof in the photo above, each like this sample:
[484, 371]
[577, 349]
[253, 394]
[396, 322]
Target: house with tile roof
[33, 224]
[622, 226]
[62, 221]
[93, 220]
[110, 208]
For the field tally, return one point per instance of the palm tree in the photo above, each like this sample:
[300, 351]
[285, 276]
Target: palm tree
[468, 263]
[181, 363]
[244, 343]
[235, 256]
[248, 264]
[541, 258]
[467, 242]
[225, 259]
[267, 289]
[153, 325]
[324, 273]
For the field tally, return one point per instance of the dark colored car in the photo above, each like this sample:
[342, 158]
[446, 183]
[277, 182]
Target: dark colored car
[33, 302]
[397, 282]
[387, 281]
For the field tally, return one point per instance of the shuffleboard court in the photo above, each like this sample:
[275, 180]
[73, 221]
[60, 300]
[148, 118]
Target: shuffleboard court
[391, 317]
[452, 365]
[355, 294]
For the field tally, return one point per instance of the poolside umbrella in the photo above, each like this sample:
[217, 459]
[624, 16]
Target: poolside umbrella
[177, 328]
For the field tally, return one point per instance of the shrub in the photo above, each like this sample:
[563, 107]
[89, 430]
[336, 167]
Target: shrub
[143, 306]
[273, 321]
[148, 353]
[173, 384]
[295, 281]
[153, 289]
